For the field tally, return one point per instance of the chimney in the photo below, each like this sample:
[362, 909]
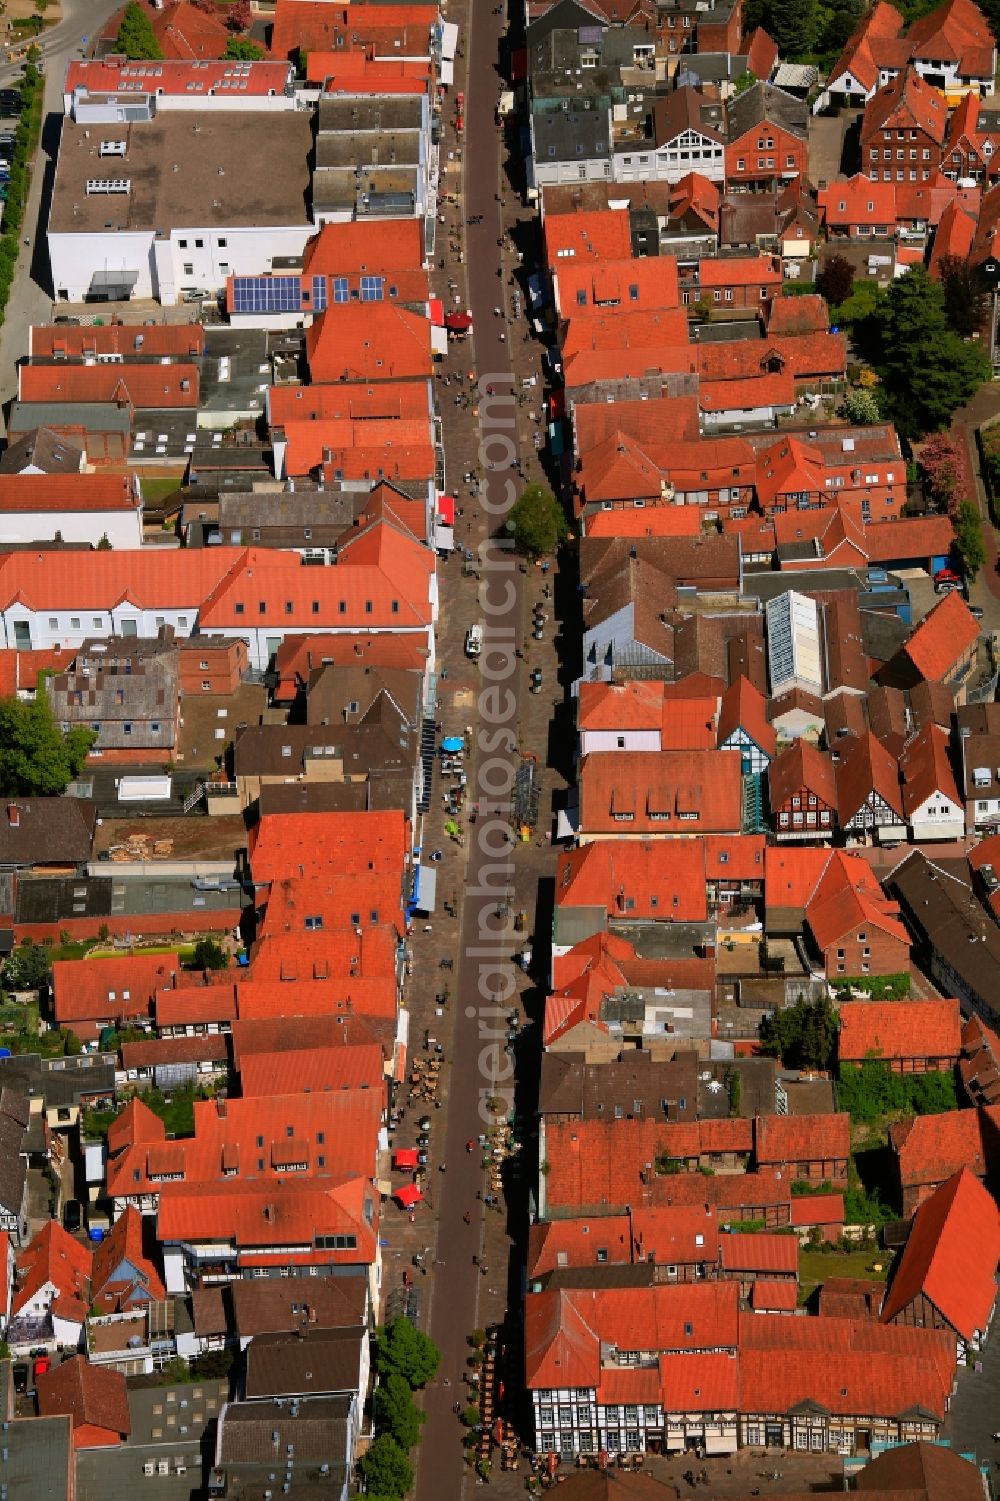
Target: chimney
[13, 815]
[220, 1106]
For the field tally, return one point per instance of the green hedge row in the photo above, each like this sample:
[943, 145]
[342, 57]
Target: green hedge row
[25, 142]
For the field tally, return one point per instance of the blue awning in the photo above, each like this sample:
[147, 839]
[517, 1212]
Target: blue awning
[424, 889]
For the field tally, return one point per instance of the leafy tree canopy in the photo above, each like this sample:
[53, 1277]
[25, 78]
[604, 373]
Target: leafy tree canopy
[136, 37]
[927, 371]
[536, 521]
[243, 50]
[28, 966]
[870, 1090]
[835, 281]
[965, 302]
[36, 758]
[405, 1351]
[861, 407]
[396, 1412]
[969, 543]
[209, 954]
[386, 1469]
[803, 1035]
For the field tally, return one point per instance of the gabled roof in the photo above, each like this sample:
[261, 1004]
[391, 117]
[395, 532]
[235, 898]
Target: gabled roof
[942, 637]
[951, 1256]
[116, 74]
[279, 1212]
[88, 990]
[660, 789]
[144, 387]
[698, 195]
[802, 765]
[955, 32]
[848, 897]
[765, 102]
[907, 102]
[53, 1256]
[899, 1029]
[930, 1148]
[743, 707]
[374, 247]
[374, 341]
[883, 22]
[780, 1139]
[122, 1272]
[857, 201]
[600, 235]
[94, 1396]
[867, 768]
[798, 315]
[926, 769]
[762, 53]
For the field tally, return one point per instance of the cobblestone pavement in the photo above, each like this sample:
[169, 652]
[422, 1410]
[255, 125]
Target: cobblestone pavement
[739, 1475]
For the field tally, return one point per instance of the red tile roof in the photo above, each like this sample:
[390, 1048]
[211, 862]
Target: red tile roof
[776, 390]
[282, 842]
[743, 707]
[682, 787]
[740, 271]
[774, 1297]
[182, 30]
[109, 989]
[401, 452]
[93, 1396]
[275, 1213]
[848, 897]
[151, 577]
[899, 1029]
[792, 874]
[599, 235]
[867, 768]
[123, 1274]
[641, 880]
[631, 285]
[802, 765]
[907, 102]
[52, 1256]
[926, 769]
[882, 23]
[379, 29]
[798, 315]
[397, 401]
[781, 1139]
[183, 1005]
[105, 491]
[372, 342]
[144, 387]
[699, 1383]
[158, 340]
[317, 1070]
[930, 1148]
[849, 202]
[759, 1253]
[379, 246]
[951, 1257]
[254, 1035]
[578, 1242]
[942, 638]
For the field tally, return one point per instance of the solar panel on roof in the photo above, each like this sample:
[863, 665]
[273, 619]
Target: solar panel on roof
[267, 294]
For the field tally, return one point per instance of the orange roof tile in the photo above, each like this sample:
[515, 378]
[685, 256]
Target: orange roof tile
[380, 29]
[279, 1212]
[905, 102]
[857, 200]
[802, 765]
[104, 491]
[774, 1297]
[899, 1029]
[763, 390]
[883, 21]
[287, 843]
[930, 1148]
[64, 341]
[740, 271]
[661, 791]
[52, 1256]
[151, 577]
[94, 1397]
[109, 989]
[781, 1139]
[371, 342]
[629, 285]
[314, 1070]
[401, 452]
[759, 1253]
[951, 1257]
[848, 896]
[942, 638]
[866, 768]
[144, 387]
[744, 708]
[398, 401]
[599, 235]
[122, 1269]
[926, 769]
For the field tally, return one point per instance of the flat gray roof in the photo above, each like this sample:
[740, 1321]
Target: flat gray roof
[184, 169]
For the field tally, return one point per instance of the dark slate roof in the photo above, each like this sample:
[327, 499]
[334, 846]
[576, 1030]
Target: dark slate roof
[46, 831]
[764, 102]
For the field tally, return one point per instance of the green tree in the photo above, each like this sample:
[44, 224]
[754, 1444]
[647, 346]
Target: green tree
[969, 544]
[104, 543]
[926, 369]
[861, 407]
[136, 37]
[29, 966]
[36, 758]
[402, 1350]
[835, 281]
[243, 50]
[536, 521]
[387, 1471]
[396, 1413]
[803, 1035]
[744, 82]
[793, 24]
[209, 954]
[965, 302]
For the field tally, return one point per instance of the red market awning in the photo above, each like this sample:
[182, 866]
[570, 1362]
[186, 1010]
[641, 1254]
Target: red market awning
[408, 1196]
[458, 323]
[437, 312]
[405, 1160]
[446, 510]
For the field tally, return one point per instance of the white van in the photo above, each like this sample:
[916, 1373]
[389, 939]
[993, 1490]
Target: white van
[473, 641]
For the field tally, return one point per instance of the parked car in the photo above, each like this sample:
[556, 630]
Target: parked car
[946, 579]
[20, 1377]
[536, 681]
[976, 611]
[42, 1365]
[72, 1215]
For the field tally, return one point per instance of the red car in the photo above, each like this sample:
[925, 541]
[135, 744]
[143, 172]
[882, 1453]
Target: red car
[41, 1365]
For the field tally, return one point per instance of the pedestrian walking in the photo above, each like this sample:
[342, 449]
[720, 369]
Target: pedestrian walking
[467, 1217]
[442, 1167]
